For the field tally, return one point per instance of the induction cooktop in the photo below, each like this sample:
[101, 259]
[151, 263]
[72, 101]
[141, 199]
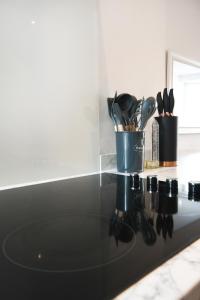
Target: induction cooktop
[91, 237]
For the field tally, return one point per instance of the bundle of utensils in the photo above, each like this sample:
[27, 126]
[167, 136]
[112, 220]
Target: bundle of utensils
[130, 114]
[165, 104]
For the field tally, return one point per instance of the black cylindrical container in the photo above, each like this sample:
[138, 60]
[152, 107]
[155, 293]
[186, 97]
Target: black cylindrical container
[167, 140]
[130, 151]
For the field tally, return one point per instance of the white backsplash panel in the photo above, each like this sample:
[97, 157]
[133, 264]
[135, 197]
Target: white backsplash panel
[48, 89]
[108, 162]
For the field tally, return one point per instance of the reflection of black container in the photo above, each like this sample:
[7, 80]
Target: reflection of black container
[127, 198]
[124, 199]
[194, 190]
[167, 204]
[167, 140]
[130, 151]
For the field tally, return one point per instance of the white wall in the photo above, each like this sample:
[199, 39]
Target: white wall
[60, 59]
[136, 35]
[133, 47]
[48, 89]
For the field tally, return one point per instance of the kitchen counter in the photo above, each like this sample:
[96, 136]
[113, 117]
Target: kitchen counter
[179, 277]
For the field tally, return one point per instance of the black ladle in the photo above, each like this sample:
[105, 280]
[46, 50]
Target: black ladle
[127, 104]
[124, 101]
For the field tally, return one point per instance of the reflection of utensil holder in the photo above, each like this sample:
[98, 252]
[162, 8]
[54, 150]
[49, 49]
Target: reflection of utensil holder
[124, 201]
[167, 204]
[167, 141]
[128, 199]
[130, 151]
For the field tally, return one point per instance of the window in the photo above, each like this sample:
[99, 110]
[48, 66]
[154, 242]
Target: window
[185, 79]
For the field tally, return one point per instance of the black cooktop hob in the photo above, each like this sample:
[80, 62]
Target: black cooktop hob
[91, 237]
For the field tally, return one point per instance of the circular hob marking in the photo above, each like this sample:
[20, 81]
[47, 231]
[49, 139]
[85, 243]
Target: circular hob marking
[69, 243]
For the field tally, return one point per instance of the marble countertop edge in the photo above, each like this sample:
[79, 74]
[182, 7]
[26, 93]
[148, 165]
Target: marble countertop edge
[175, 279]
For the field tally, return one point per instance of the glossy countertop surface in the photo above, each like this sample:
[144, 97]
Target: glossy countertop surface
[89, 237]
[178, 278]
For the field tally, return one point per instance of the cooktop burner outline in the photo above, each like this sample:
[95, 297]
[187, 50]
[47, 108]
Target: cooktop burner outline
[163, 217]
[36, 259]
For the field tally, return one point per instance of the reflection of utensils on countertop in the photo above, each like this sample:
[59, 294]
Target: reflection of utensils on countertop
[159, 104]
[170, 225]
[151, 219]
[147, 230]
[159, 222]
[164, 225]
[164, 228]
[120, 230]
[150, 198]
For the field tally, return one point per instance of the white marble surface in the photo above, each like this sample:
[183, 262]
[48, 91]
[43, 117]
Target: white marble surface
[173, 280]
[179, 277]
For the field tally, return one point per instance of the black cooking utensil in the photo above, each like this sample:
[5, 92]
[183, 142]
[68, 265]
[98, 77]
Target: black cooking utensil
[171, 101]
[110, 110]
[118, 117]
[132, 113]
[159, 103]
[110, 102]
[166, 102]
[125, 101]
[147, 110]
[115, 96]
[133, 106]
